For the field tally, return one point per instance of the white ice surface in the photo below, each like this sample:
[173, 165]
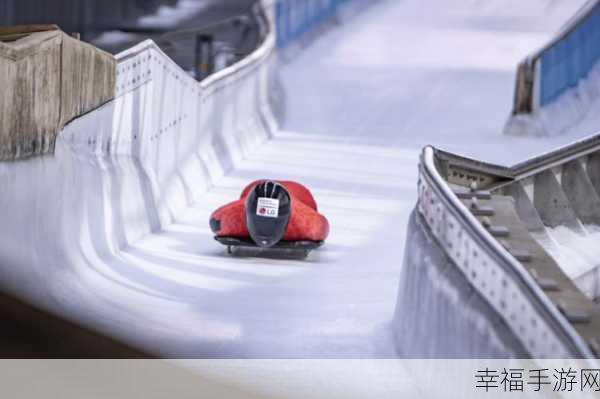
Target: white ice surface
[335, 303]
[577, 253]
[362, 101]
[410, 73]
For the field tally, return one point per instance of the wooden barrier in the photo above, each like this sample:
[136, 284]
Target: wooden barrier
[48, 79]
[523, 100]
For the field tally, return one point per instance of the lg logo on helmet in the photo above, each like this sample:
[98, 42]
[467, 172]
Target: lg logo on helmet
[267, 207]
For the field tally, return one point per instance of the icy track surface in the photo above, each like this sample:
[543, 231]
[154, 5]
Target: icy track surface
[362, 101]
[410, 73]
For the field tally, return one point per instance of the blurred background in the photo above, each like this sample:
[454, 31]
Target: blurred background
[176, 26]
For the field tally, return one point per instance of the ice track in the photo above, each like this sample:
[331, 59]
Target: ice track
[361, 102]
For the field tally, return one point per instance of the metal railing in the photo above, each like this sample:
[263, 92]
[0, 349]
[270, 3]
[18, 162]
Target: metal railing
[492, 270]
[543, 323]
[216, 45]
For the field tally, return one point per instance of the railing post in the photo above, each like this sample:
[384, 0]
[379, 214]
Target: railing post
[204, 56]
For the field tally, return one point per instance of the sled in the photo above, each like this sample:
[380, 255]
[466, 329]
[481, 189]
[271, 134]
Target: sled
[302, 247]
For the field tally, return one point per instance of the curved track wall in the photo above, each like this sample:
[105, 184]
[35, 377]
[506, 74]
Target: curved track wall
[513, 299]
[127, 168]
[471, 258]
[487, 300]
[439, 314]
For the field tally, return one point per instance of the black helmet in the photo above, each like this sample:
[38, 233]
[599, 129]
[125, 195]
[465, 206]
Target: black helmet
[267, 213]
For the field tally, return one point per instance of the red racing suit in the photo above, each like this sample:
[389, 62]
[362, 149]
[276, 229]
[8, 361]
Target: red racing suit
[305, 222]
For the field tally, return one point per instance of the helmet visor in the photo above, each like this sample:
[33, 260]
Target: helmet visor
[267, 213]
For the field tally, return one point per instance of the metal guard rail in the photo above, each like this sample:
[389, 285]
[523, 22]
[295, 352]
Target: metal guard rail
[492, 270]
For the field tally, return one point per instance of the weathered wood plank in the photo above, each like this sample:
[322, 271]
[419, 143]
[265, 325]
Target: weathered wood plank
[25, 29]
[48, 79]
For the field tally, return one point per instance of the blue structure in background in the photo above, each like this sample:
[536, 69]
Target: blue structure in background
[296, 17]
[571, 58]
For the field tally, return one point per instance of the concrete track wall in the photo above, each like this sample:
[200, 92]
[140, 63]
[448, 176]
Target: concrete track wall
[513, 299]
[438, 313]
[125, 169]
